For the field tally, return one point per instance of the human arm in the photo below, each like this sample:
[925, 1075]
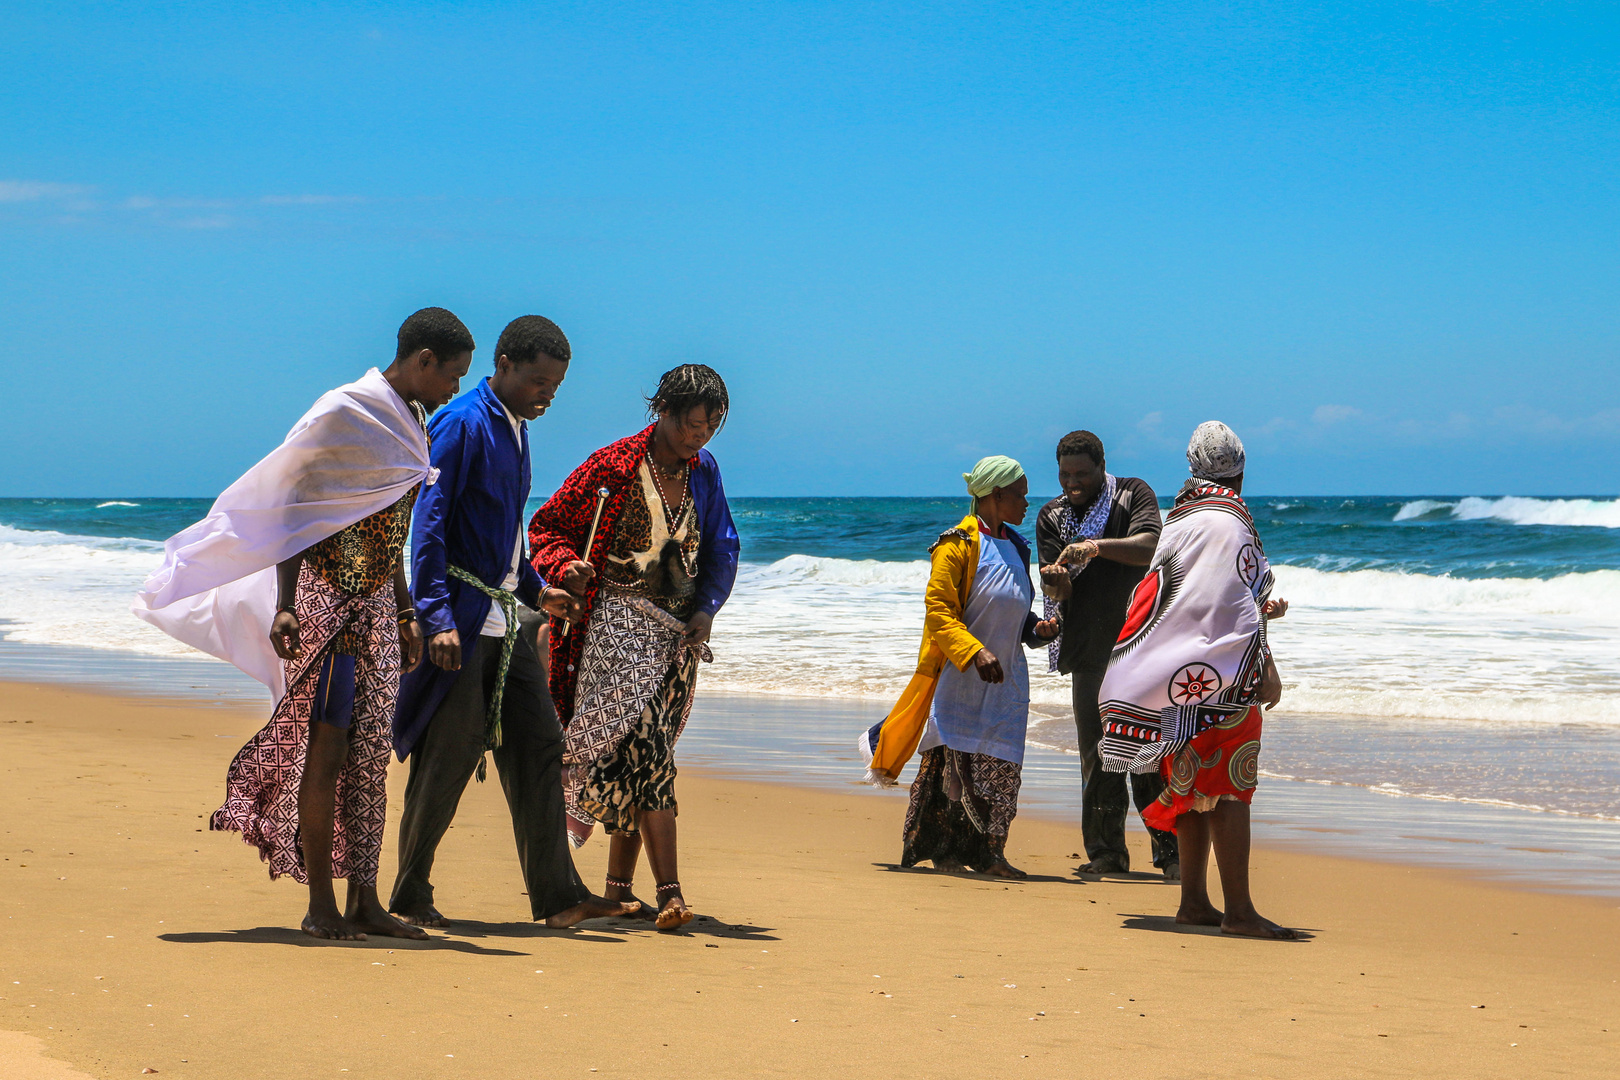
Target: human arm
[410, 631]
[1142, 531]
[1270, 683]
[943, 605]
[558, 530]
[1274, 609]
[429, 559]
[1038, 631]
[719, 547]
[284, 627]
[1055, 580]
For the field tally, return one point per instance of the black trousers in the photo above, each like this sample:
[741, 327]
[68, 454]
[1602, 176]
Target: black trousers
[530, 764]
[1103, 800]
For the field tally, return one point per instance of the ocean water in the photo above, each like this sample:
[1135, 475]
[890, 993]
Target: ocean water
[1440, 649]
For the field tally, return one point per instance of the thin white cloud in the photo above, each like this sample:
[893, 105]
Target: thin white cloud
[17, 191]
[311, 200]
[1333, 414]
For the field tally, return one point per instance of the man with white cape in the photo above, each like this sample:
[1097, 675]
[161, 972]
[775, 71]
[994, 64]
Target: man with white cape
[1188, 675]
[296, 576]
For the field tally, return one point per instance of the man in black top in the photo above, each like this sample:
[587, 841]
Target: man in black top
[1104, 530]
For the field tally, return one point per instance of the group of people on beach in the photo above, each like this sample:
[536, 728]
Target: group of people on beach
[569, 651]
[1160, 621]
[297, 575]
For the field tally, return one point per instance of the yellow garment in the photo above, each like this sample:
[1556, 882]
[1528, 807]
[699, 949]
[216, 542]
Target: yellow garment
[955, 558]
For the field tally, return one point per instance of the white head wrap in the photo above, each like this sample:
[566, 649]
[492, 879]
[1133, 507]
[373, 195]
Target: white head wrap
[1215, 452]
[990, 473]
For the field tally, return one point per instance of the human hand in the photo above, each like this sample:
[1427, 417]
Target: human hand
[697, 629]
[1047, 629]
[410, 644]
[1270, 685]
[576, 575]
[988, 666]
[1055, 581]
[561, 603]
[1275, 609]
[284, 635]
[444, 649]
[1078, 554]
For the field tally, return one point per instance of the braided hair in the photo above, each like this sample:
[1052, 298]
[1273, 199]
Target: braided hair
[685, 387]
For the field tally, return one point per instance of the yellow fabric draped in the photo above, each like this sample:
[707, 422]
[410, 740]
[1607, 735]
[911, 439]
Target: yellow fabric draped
[954, 558]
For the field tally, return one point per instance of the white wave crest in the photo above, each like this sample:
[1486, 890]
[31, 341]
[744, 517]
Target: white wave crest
[1520, 510]
[1364, 642]
[114, 502]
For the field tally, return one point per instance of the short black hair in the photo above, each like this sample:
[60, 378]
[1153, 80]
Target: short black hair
[437, 329]
[527, 337]
[1076, 443]
[684, 388]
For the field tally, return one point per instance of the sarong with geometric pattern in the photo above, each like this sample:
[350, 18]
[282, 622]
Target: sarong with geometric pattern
[636, 684]
[261, 788]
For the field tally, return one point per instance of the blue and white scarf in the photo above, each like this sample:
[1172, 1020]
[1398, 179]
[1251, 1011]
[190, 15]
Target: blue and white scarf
[1073, 527]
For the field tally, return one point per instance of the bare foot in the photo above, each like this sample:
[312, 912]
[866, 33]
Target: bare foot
[593, 908]
[1256, 926]
[1205, 914]
[673, 915]
[368, 915]
[1004, 869]
[426, 915]
[330, 926]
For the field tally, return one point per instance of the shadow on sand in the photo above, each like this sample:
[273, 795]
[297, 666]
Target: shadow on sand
[284, 935]
[974, 875]
[606, 931]
[1166, 924]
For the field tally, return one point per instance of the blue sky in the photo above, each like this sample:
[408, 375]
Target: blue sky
[1378, 239]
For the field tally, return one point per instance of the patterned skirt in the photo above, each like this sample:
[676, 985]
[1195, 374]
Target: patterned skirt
[636, 682]
[962, 806]
[261, 788]
[1220, 763]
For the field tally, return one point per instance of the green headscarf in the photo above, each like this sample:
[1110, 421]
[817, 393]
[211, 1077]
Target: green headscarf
[995, 471]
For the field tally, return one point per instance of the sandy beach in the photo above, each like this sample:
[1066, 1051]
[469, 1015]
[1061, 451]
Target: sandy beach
[136, 940]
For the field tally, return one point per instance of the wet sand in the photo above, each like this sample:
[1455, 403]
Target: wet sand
[137, 940]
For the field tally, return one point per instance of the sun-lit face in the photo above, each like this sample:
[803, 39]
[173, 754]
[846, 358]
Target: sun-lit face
[690, 432]
[1012, 501]
[1081, 479]
[528, 389]
[436, 381]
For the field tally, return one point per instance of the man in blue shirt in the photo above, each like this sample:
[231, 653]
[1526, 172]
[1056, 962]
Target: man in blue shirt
[485, 687]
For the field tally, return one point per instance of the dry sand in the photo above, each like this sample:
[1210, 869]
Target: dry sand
[136, 940]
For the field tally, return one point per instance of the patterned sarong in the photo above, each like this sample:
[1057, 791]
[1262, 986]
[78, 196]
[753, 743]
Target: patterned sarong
[635, 693]
[949, 821]
[261, 788]
[1222, 762]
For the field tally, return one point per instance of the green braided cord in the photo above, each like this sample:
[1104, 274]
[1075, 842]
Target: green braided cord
[492, 729]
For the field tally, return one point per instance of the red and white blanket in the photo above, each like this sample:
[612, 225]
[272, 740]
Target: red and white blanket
[1193, 648]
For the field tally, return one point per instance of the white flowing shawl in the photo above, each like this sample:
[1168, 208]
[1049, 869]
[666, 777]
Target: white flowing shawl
[358, 450]
[1194, 644]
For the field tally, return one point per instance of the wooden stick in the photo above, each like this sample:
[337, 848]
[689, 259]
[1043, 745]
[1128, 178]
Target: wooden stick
[590, 539]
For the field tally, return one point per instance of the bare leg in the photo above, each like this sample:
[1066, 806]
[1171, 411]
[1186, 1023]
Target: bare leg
[1229, 828]
[1192, 834]
[658, 828]
[365, 911]
[1001, 867]
[317, 797]
[624, 850]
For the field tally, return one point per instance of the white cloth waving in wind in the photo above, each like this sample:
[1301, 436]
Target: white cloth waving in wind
[358, 450]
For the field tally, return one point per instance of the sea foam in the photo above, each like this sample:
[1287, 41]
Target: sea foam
[1358, 642]
[1517, 510]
